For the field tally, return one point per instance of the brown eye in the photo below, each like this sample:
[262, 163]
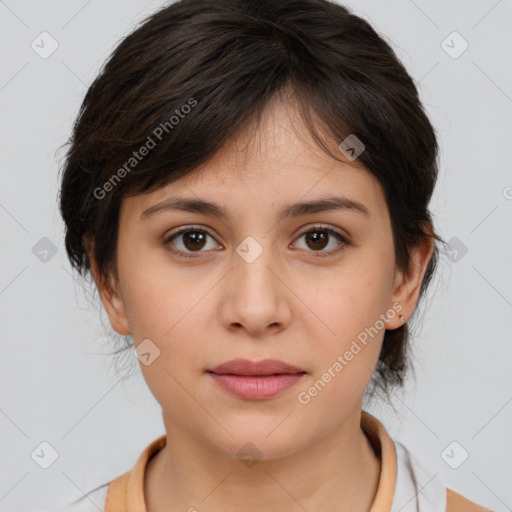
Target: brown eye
[194, 240]
[317, 239]
[188, 241]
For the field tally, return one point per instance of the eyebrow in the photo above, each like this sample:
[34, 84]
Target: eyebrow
[293, 210]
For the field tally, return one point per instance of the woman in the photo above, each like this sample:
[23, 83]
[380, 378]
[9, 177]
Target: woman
[248, 184]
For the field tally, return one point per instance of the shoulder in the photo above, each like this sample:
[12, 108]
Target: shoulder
[455, 502]
[93, 501]
[431, 495]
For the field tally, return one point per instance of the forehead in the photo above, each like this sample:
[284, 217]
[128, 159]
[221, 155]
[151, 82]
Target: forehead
[271, 162]
[277, 138]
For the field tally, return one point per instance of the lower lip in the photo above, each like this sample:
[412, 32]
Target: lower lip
[256, 387]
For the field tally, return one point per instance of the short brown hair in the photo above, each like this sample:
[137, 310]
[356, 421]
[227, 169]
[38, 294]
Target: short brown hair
[201, 71]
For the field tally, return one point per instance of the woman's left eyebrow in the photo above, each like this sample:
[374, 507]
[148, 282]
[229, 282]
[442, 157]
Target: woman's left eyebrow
[293, 210]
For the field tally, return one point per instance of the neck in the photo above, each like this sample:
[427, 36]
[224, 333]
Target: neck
[339, 473]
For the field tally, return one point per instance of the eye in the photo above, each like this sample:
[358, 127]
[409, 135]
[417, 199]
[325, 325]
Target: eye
[320, 237]
[190, 240]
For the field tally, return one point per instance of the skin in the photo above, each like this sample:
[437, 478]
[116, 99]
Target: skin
[288, 304]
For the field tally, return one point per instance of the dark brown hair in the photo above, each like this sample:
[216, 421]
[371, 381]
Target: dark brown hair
[197, 72]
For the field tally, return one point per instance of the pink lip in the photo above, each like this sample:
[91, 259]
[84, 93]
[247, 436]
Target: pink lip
[256, 380]
[248, 367]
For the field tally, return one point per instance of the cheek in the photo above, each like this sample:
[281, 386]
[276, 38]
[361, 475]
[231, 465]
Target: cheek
[345, 358]
[155, 298]
[168, 312]
[163, 313]
[349, 314]
[351, 306]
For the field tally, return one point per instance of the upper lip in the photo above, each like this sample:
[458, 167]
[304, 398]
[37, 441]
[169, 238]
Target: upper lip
[247, 367]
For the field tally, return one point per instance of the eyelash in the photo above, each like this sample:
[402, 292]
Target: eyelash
[317, 254]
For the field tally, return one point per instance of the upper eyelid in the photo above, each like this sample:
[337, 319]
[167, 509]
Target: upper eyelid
[184, 229]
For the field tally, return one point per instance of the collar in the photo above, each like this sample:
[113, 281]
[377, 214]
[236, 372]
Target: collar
[126, 492]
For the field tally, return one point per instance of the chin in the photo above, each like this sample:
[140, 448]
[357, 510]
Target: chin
[253, 445]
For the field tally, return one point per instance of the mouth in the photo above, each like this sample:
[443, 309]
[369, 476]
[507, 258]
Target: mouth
[256, 380]
[262, 368]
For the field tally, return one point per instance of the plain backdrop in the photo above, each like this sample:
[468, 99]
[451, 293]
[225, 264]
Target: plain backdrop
[59, 387]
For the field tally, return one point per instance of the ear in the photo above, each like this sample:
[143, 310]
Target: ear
[407, 284]
[108, 288]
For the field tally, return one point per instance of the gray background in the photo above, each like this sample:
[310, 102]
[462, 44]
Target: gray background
[58, 386]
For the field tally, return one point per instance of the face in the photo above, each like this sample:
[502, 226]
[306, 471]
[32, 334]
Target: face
[314, 288]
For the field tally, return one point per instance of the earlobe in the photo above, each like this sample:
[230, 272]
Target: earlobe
[111, 298]
[407, 284]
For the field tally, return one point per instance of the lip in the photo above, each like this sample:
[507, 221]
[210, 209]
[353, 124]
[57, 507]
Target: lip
[247, 367]
[256, 380]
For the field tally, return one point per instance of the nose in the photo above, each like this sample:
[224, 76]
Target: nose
[255, 297]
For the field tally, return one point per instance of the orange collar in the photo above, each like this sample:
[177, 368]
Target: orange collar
[126, 492]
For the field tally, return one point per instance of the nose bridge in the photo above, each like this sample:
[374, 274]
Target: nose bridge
[253, 297]
[254, 257]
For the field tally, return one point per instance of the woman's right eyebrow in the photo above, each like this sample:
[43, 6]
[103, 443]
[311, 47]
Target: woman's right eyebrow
[293, 210]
